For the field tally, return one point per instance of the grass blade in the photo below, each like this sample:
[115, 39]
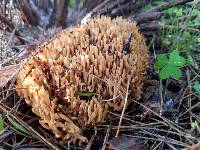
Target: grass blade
[17, 126]
[86, 94]
[1, 123]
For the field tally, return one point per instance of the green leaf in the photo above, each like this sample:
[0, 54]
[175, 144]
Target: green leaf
[197, 21]
[72, 3]
[170, 71]
[190, 60]
[161, 61]
[176, 59]
[196, 87]
[193, 125]
[186, 34]
[175, 72]
[170, 11]
[179, 12]
[86, 94]
[166, 42]
[147, 7]
[1, 123]
[165, 72]
[174, 10]
[17, 126]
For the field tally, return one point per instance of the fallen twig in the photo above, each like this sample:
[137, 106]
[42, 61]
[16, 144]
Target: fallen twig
[106, 138]
[147, 17]
[28, 13]
[124, 108]
[11, 27]
[59, 13]
[155, 26]
[169, 4]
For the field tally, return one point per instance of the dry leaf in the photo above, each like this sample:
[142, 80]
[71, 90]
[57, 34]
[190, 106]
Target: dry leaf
[6, 73]
[124, 143]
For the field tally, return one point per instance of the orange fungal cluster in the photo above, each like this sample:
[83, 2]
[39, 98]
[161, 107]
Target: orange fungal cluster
[73, 80]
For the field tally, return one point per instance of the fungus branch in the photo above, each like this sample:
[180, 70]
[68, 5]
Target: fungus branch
[75, 74]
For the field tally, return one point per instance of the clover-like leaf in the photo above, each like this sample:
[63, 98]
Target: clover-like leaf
[190, 60]
[165, 72]
[170, 70]
[176, 59]
[197, 21]
[196, 87]
[161, 61]
[186, 34]
[175, 72]
[193, 125]
[179, 12]
[170, 11]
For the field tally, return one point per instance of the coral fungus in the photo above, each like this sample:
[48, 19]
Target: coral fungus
[81, 73]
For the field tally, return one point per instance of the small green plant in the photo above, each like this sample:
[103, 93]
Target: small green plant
[196, 87]
[72, 3]
[179, 39]
[193, 125]
[17, 126]
[1, 123]
[169, 66]
[174, 11]
[190, 60]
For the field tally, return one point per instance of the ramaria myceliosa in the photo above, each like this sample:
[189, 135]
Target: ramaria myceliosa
[82, 73]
